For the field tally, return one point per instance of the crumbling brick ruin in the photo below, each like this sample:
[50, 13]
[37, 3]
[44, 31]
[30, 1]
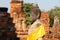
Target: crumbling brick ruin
[15, 23]
[6, 26]
[45, 20]
[54, 32]
[19, 19]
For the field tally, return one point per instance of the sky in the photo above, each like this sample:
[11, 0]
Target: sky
[43, 4]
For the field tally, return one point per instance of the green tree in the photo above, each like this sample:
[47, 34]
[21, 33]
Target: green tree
[27, 7]
[54, 12]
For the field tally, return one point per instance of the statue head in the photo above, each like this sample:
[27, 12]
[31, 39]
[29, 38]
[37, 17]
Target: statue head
[35, 12]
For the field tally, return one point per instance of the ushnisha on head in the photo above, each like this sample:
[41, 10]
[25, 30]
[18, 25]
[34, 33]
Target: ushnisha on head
[35, 4]
[35, 12]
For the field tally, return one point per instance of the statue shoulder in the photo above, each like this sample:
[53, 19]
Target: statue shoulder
[36, 24]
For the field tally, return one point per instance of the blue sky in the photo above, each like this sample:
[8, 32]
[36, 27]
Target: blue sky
[43, 4]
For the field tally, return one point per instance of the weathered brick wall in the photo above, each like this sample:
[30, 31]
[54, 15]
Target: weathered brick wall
[54, 32]
[3, 16]
[19, 19]
[45, 20]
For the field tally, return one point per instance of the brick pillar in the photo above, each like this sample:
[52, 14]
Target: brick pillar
[45, 20]
[19, 18]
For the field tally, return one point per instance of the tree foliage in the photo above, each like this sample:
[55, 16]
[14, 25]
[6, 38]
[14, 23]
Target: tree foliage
[54, 12]
[27, 7]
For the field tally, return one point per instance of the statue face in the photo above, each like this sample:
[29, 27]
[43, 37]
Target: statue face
[34, 14]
